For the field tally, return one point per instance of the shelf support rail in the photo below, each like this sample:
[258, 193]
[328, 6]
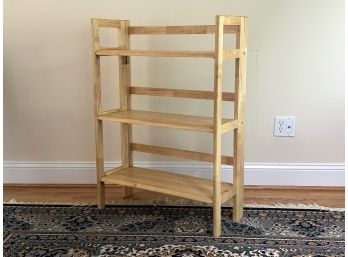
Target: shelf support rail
[183, 93]
[179, 153]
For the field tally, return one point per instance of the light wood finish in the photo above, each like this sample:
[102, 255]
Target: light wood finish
[125, 99]
[85, 194]
[169, 30]
[97, 110]
[169, 183]
[238, 139]
[213, 191]
[185, 154]
[229, 20]
[160, 119]
[110, 111]
[106, 23]
[153, 53]
[100, 163]
[183, 93]
[96, 68]
[230, 125]
[219, 36]
[109, 172]
[234, 53]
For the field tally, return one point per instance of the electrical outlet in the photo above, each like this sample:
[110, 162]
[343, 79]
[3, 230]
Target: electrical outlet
[284, 126]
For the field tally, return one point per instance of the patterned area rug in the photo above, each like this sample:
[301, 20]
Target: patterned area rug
[69, 231]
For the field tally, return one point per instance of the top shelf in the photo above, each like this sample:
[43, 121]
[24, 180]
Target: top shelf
[179, 30]
[232, 53]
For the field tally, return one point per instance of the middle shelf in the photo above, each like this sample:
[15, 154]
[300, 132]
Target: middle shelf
[168, 183]
[229, 53]
[167, 120]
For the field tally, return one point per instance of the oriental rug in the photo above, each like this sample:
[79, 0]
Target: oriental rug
[185, 231]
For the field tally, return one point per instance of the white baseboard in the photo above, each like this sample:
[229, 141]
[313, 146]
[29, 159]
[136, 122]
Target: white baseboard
[291, 174]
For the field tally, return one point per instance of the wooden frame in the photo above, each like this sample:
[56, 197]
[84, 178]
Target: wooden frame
[214, 192]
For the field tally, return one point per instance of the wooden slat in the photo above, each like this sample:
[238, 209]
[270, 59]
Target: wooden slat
[185, 154]
[231, 53]
[154, 53]
[217, 125]
[109, 172]
[109, 111]
[168, 30]
[228, 126]
[232, 20]
[228, 194]
[196, 94]
[168, 183]
[107, 23]
[166, 120]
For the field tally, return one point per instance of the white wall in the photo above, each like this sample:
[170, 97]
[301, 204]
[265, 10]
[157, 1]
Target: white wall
[295, 67]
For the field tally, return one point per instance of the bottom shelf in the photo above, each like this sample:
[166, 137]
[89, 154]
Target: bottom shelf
[168, 183]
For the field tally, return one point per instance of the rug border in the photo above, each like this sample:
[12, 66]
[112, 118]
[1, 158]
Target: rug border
[171, 206]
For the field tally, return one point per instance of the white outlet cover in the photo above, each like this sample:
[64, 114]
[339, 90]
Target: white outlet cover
[284, 126]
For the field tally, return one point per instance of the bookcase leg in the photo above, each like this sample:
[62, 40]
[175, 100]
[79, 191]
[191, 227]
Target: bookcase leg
[217, 183]
[217, 218]
[238, 175]
[238, 207]
[100, 163]
[126, 152]
[238, 140]
[101, 195]
[217, 125]
[125, 99]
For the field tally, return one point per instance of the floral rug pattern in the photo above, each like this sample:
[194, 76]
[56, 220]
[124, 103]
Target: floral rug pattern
[77, 231]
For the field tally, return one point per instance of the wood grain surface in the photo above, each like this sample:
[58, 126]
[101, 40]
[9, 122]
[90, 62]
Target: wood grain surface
[270, 195]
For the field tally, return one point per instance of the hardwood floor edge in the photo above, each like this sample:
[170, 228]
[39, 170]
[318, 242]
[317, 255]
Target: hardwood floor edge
[251, 187]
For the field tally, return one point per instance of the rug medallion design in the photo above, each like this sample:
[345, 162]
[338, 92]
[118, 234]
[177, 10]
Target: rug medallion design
[76, 231]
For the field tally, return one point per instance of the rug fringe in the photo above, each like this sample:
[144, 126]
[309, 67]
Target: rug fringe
[183, 202]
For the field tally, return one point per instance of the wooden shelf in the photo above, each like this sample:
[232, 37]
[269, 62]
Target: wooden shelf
[233, 53]
[210, 191]
[166, 120]
[168, 183]
[179, 30]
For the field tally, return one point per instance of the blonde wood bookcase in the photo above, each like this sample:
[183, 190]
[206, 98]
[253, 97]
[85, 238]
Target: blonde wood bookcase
[209, 191]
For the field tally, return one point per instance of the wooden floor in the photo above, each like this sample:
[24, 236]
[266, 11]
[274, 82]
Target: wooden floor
[270, 195]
